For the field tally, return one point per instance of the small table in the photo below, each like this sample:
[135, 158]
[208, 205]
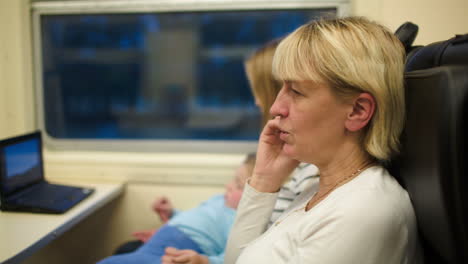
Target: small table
[22, 234]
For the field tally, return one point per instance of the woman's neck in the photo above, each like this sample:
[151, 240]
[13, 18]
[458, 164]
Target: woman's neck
[343, 166]
[338, 173]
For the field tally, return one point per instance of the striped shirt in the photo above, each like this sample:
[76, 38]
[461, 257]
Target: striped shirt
[302, 177]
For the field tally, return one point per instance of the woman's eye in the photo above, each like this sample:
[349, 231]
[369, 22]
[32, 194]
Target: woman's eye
[296, 92]
[291, 86]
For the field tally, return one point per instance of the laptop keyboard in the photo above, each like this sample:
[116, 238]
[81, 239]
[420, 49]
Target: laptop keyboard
[50, 194]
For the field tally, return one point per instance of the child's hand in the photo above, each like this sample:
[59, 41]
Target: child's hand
[173, 256]
[163, 207]
[144, 235]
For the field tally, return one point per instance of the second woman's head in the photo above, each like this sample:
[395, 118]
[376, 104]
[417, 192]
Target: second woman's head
[265, 87]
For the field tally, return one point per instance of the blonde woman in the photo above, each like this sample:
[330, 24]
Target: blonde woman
[341, 108]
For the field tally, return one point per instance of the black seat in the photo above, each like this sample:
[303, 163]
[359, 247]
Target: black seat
[433, 165]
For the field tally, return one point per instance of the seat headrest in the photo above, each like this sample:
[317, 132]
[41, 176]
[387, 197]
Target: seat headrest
[450, 52]
[407, 33]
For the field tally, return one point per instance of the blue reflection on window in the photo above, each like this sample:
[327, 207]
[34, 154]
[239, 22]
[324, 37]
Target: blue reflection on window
[156, 76]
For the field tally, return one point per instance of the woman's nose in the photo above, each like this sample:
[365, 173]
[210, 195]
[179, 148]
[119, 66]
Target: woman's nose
[279, 107]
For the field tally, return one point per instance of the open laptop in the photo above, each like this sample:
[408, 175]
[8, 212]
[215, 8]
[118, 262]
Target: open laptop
[22, 184]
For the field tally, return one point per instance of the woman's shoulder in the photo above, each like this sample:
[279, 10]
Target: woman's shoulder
[375, 192]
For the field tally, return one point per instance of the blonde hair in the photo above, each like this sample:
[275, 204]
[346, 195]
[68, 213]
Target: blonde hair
[352, 55]
[264, 86]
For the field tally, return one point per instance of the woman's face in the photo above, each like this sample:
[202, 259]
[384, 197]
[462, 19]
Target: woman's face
[312, 123]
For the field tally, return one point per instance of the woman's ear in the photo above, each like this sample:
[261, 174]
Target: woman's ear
[362, 112]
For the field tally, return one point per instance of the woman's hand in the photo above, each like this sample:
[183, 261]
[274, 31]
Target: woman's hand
[144, 235]
[163, 207]
[173, 255]
[272, 166]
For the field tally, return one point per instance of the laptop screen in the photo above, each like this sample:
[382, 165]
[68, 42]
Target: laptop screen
[21, 162]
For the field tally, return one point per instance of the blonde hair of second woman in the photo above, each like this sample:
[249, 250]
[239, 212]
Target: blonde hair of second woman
[264, 87]
[352, 56]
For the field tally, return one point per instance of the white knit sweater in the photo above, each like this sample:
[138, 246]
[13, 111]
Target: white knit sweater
[369, 220]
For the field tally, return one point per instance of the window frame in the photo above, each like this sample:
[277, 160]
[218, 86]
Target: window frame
[40, 8]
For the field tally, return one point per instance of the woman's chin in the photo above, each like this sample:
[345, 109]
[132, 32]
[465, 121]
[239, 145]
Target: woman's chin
[288, 150]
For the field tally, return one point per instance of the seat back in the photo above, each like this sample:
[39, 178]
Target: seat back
[433, 163]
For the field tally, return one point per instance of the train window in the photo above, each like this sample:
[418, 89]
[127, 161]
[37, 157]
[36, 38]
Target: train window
[156, 72]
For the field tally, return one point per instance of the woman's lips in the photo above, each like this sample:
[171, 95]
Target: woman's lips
[283, 135]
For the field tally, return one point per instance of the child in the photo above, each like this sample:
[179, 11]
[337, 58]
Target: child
[201, 232]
